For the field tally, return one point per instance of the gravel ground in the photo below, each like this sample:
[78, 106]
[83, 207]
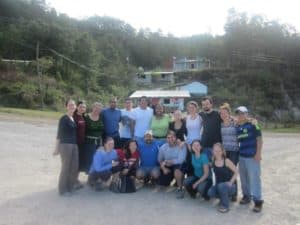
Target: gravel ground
[29, 175]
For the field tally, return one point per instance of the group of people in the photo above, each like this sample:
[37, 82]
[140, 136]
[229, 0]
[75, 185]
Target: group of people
[199, 153]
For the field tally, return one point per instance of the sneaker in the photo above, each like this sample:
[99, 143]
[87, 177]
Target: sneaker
[179, 193]
[223, 209]
[258, 206]
[245, 200]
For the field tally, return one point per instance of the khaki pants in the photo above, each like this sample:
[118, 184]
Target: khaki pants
[69, 167]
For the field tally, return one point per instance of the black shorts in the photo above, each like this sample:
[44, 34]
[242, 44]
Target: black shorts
[166, 179]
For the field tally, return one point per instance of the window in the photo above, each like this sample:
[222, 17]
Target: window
[166, 101]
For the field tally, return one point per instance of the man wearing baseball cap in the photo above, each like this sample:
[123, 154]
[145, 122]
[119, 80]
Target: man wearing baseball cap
[250, 142]
[149, 168]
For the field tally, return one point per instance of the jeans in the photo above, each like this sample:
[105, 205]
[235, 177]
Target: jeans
[222, 191]
[234, 157]
[250, 172]
[189, 181]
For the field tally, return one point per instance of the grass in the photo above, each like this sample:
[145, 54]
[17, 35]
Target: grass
[31, 113]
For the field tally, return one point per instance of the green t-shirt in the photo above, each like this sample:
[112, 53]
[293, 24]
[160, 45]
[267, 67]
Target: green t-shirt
[198, 164]
[160, 126]
[93, 129]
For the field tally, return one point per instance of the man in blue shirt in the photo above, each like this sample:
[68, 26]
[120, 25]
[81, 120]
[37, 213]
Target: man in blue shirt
[105, 164]
[111, 117]
[250, 145]
[149, 169]
[170, 157]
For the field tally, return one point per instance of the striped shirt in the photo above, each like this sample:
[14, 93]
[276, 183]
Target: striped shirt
[229, 137]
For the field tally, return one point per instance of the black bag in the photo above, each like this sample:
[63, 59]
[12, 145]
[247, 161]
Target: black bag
[127, 184]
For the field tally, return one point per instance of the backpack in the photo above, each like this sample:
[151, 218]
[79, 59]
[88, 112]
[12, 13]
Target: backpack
[126, 184]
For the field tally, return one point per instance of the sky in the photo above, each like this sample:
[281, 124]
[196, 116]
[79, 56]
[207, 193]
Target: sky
[180, 18]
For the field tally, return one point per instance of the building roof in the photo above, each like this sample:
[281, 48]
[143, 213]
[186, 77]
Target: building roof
[195, 88]
[161, 94]
[157, 73]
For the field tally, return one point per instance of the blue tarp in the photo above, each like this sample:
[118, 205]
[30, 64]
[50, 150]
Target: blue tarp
[195, 88]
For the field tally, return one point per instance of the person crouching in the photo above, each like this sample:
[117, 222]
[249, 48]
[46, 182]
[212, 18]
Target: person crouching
[104, 166]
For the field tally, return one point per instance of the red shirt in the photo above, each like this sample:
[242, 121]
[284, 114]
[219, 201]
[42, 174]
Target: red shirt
[130, 162]
[80, 122]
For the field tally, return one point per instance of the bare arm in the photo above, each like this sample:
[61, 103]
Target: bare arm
[204, 176]
[259, 143]
[233, 168]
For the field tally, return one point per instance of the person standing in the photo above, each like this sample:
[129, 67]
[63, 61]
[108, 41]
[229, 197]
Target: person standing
[160, 124]
[211, 133]
[111, 117]
[93, 137]
[81, 125]
[193, 123]
[229, 138]
[178, 125]
[66, 147]
[250, 147]
[170, 157]
[141, 119]
[125, 131]
[194, 129]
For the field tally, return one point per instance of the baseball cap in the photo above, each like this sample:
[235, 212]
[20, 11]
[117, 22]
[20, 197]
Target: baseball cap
[241, 109]
[148, 132]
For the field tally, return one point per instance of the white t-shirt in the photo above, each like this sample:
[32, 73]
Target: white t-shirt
[193, 127]
[125, 123]
[142, 118]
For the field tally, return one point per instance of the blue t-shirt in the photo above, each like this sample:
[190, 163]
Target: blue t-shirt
[247, 134]
[198, 164]
[102, 160]
[111, 119]
[148, 153]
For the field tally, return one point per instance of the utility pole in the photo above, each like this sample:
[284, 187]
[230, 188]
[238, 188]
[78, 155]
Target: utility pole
[39, 73]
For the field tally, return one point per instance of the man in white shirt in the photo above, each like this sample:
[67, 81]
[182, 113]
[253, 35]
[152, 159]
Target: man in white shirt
[141, 119]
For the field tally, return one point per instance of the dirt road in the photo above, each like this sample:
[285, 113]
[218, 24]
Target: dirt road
[29, 176]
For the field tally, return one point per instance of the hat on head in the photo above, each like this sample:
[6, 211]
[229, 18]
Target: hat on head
[241, 109]
[148, 132]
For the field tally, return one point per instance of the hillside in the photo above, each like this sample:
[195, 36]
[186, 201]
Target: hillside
[255, 63]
